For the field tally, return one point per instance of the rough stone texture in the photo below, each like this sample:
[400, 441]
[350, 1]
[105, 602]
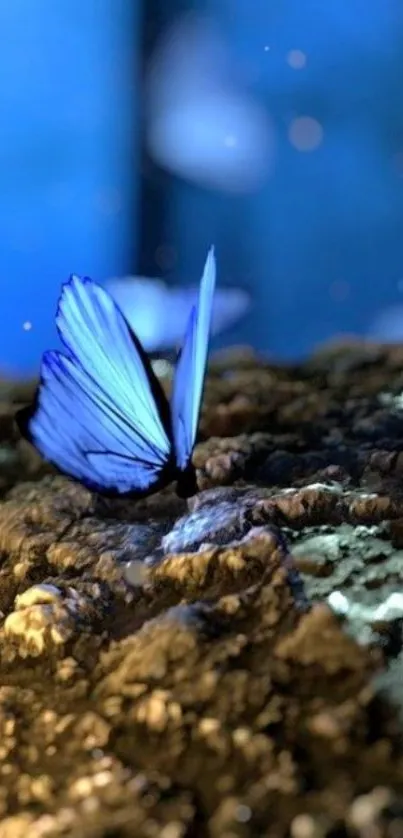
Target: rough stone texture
[231, 667]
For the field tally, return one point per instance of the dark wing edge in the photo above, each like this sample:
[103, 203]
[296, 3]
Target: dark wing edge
[27, 416]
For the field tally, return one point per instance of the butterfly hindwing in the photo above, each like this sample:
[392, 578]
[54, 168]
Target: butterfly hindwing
[101, 415]
[191, 367]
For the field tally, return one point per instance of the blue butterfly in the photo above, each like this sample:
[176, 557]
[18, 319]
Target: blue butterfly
[100, 413]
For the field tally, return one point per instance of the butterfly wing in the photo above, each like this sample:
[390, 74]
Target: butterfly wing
[190, 369]
[100, 415]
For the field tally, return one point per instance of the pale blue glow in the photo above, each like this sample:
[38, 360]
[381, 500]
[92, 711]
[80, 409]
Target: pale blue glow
[145, 303]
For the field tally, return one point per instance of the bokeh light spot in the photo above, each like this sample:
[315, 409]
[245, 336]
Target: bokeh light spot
[243, 813]
[27, 326]
[296, 59]
[305, 133]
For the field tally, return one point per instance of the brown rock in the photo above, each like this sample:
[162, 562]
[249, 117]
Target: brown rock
[247, 680]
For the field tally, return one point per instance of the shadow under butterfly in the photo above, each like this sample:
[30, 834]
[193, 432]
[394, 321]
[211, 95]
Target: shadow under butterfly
[100, 414]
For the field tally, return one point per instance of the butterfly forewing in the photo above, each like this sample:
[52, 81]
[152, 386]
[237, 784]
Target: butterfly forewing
[94, 330]
[191, 367]
[101, 415]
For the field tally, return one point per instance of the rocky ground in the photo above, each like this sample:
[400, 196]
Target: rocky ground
[227, 668]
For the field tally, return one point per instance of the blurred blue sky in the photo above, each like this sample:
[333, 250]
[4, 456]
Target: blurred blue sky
[319, 241]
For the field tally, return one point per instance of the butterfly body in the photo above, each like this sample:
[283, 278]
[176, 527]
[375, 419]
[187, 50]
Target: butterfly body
[100, 414]
[186, 482]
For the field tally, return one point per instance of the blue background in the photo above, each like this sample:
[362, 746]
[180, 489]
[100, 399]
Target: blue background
[320, 244]
[68, 157]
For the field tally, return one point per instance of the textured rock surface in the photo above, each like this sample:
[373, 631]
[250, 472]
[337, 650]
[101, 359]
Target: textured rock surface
[229, 668]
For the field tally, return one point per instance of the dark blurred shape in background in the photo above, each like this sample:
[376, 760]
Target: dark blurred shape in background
[136, 134]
